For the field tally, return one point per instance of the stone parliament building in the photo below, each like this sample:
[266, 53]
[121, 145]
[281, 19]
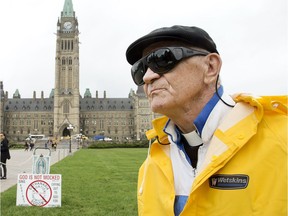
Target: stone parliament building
[118, 118]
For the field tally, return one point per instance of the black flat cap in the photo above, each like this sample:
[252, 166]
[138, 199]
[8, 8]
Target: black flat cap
[192, 35]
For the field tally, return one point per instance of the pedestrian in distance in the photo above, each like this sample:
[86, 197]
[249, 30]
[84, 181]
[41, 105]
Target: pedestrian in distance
[26, 146]
[32, 144]
[5, 155]
[48, 143]
[54, 145]
[212, 154]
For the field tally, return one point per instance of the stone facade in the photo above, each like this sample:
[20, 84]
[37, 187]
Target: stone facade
[118, 118]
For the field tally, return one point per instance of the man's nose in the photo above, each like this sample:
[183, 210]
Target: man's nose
[150, 76]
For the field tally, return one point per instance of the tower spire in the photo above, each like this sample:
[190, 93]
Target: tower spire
[68, 9]
[66, 91]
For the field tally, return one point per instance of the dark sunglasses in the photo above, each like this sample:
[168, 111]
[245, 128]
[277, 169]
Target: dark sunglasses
[161, 61]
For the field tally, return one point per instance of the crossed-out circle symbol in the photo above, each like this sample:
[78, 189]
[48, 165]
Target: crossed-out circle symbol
[39, 193]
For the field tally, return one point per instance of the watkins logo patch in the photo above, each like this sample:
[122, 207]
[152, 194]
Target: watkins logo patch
[229, 182]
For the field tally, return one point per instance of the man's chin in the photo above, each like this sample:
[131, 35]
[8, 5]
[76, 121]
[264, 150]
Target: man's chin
[157, 107]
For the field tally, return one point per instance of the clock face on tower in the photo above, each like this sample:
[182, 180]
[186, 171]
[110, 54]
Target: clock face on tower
[67, 25]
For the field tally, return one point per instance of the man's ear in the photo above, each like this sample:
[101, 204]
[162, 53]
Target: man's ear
[214, 66]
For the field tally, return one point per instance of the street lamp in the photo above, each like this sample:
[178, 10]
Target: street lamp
[70, 128]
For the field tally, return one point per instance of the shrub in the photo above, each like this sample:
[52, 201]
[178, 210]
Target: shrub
[103, 144]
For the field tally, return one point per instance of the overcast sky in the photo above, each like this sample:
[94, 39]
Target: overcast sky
[251, 37]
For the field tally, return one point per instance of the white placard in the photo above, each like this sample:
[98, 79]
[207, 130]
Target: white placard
[43, 190]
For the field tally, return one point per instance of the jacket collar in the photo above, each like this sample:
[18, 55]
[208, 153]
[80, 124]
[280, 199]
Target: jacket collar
[201, 119]
[272, 103]
[157, 130]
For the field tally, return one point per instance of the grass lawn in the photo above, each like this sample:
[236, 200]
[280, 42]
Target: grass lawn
[94, 182]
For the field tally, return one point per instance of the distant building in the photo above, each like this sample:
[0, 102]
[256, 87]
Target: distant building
[118, 118]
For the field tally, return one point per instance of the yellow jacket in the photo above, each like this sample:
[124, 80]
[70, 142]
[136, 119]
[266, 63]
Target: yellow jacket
[248, 150]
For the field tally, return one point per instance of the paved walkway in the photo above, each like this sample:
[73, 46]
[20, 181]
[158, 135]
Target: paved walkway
[21, 162]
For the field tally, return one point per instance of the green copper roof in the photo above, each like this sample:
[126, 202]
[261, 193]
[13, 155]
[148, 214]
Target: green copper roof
[51, 93]
[87, 93]
[68, 9]
[16, 94]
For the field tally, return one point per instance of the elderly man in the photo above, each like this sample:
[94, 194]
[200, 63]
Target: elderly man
[212, 155]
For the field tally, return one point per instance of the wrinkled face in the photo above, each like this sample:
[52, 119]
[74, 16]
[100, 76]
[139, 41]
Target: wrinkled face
[177, 88]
